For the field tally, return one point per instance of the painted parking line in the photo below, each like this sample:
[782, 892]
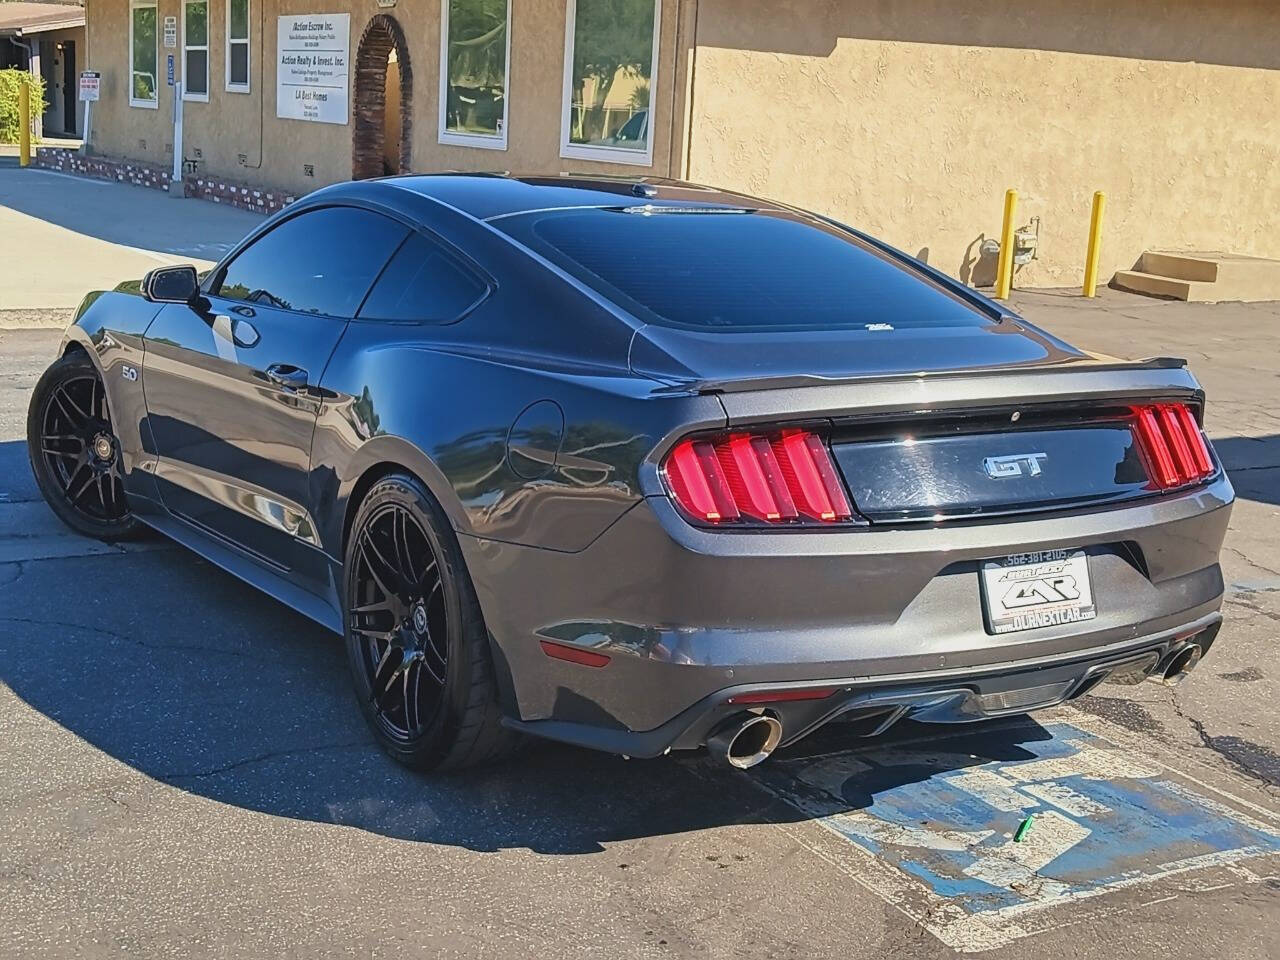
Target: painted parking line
[929, 825]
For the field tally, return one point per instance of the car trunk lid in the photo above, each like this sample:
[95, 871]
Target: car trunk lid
[921, 448]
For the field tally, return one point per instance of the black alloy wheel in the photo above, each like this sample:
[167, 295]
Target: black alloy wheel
[416, 642]
[397, 609]
[74, 451]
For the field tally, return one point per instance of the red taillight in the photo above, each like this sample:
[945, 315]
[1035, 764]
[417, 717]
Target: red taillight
[785, 476]
[1172, 445]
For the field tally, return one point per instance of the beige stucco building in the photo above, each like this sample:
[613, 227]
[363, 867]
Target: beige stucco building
[908, 118]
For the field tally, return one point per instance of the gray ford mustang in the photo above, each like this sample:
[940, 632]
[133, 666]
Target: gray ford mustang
[642, 466]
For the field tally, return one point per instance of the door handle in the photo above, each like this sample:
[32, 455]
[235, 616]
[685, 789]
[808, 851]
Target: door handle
[244, 311]
[286, 375]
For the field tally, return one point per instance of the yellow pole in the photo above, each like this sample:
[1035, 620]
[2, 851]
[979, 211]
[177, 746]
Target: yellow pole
[1095, 245]
[24, 119]
[1004, 267]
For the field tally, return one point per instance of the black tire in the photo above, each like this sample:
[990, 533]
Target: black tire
[431, 667]
[75, 454]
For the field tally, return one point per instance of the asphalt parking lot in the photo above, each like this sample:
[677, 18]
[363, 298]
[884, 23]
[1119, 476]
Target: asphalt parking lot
[183, 772]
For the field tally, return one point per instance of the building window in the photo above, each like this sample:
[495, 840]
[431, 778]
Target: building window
[474, 57]
[238, 46]
[142, 54]
[611, 56]
[195, 50]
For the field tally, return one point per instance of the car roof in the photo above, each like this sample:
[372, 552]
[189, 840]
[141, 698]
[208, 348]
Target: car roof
[487, 196]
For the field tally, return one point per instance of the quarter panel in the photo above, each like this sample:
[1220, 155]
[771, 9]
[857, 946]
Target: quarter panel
[407, 395]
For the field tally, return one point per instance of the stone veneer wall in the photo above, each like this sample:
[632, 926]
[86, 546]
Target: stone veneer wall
[101, 168]
[245, 196]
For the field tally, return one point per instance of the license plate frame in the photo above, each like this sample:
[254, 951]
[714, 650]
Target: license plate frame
[1043, 588]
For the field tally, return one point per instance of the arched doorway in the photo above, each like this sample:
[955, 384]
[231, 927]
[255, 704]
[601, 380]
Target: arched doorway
[380, 142]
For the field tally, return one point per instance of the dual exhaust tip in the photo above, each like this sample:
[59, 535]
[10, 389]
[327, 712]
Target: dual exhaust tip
[1177, 664]
[748, 739]
[745, 740]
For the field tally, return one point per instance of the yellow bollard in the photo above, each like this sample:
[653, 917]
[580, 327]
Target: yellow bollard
[1004, 266]
[24, 120]
[1095, 245]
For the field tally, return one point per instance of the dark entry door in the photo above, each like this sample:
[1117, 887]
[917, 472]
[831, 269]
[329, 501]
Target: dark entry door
[70, 88]
[231, 386]
[49, 74]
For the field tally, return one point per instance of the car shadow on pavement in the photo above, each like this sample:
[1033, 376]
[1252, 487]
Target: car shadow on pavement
[1253, 464]
[196, 680]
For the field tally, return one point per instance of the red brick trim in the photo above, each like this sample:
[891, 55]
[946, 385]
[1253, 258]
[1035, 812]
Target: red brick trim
[244, 196]
[257, 199]
[382, 34]
[102, 168]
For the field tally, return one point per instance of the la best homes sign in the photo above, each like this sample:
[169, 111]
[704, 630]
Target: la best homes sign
[312, 73]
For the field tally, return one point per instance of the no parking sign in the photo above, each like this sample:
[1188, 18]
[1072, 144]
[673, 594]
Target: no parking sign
[90, 86]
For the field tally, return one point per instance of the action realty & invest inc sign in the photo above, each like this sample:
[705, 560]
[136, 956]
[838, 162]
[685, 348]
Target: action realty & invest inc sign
[312, 67]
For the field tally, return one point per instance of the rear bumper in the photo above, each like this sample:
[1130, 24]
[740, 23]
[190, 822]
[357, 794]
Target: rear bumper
[877, 703]
[688, 616]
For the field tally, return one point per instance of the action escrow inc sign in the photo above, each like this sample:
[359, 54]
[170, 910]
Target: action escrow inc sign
[312, 73]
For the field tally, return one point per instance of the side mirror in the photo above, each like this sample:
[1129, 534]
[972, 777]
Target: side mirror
[171, 284]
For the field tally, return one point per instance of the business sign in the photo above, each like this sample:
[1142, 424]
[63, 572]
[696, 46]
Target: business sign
[170, 32]
[90, 85]
[312, 73]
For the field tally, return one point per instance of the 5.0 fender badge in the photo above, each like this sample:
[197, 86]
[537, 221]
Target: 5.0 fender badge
[128, 372]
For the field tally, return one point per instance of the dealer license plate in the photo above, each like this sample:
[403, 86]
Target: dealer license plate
[1044, 589]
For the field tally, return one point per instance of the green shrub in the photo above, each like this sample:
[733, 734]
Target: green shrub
[9, 82]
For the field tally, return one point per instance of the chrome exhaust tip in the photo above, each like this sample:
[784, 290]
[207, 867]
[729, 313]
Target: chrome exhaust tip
[1181, 664]
[747, 740]
[1177, 666]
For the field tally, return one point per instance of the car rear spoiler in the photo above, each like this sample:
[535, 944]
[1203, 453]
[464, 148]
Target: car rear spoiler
[792, 381]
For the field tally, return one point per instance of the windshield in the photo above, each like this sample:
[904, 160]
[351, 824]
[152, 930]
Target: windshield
[737, 270]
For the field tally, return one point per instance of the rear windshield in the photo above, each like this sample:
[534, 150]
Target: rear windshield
[737, 271]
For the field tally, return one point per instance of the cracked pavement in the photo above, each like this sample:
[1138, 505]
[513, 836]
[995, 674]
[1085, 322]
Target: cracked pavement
[183, 772]
[1226, 708]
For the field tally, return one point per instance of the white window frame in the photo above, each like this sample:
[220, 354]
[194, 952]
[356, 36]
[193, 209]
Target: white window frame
[577, 151]
[195, 97]
[453, 137]
[153, 104]
[247, 40]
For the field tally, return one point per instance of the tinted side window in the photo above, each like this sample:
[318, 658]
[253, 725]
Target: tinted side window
[321, 261]
[424, 283]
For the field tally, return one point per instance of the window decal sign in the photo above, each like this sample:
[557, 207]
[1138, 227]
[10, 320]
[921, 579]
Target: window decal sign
[312, 67]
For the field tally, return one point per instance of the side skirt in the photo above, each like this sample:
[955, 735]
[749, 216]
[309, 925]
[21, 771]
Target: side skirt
[240, 565]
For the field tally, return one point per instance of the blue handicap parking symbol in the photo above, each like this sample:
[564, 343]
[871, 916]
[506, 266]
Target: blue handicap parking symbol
[938, 818]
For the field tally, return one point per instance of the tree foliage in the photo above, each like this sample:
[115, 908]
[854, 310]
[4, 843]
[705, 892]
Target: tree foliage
[478, 43]
[10, 80]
